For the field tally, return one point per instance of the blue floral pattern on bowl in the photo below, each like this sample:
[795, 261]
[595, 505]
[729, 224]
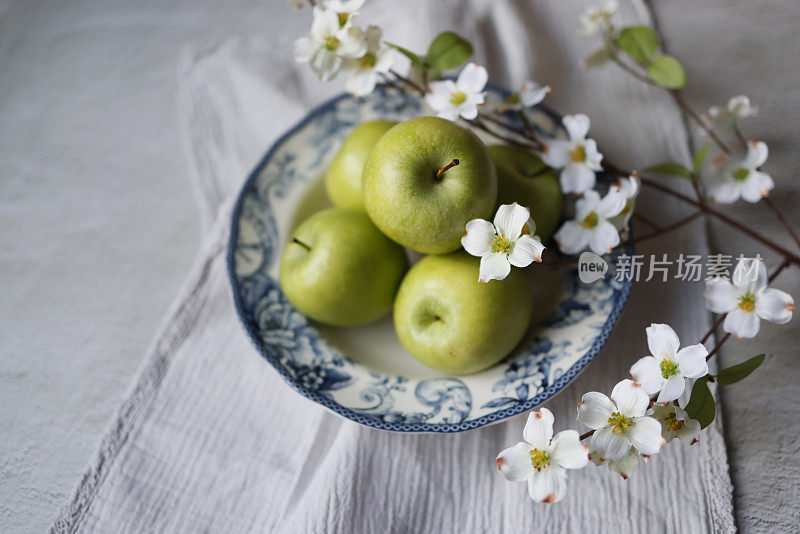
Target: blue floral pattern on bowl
[567, 341]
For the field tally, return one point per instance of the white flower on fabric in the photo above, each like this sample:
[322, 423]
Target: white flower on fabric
[747, 299]
[620, 422]
[345, 10]
[460, 98]
[543, 459]
[597, 19]
[738, 108]
[741, 178]
[364, 71]
[665, 371]
[628, 188]
[531, 94]
[624, 468]
[577, 157]
[503, 244]
[329, 43]
[675, 423]
[591, 226]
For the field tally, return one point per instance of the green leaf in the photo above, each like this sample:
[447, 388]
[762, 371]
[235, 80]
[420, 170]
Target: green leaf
[740, 371]
[699, 158]
[639, 42]
[599, 57]
[670, 169]
[415, 59]
[447, 51]
[667, 72]
[701, 404]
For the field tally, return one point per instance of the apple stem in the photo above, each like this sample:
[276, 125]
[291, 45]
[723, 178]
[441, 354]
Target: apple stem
[448, 166]
[295, 240]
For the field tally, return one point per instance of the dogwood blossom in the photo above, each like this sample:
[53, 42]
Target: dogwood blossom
[741, 178]
[528, 96]
[376, 60]
[624, 468]
[666, 369]
[747, 299]
[460, 98]
[577, 157]
[329, 44]
[542, 459]
[675, 423]
[738, 108]
[597, 19]
[628, 188]
[620, 423]
[345, 10]
[503, 244]
[591, 226]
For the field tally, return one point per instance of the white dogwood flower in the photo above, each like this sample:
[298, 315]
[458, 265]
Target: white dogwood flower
[597, 19]
[528, 96]
[624, 468]
[747, 299]
[738, 108]
[620, 422]
[542, 459]
[503, 244]
[675, 423]
[329, 44]
[591, 226]
[666, 369]
[364, 71]
[460, 98]
[629, 189]
[345, 10]
[577, 157]
[741, 178]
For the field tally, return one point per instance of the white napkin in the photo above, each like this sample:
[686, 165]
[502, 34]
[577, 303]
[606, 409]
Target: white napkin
[212, 440]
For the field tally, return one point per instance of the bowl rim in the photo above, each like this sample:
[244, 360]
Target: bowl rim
[443, 428]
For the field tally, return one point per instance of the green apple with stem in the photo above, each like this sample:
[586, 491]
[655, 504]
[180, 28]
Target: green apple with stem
[343, 179]
[339, 269]
[451, 322]
[523, 178]
[425, 179]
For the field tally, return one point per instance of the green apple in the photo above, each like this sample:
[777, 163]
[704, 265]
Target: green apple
[339, 269]
[425, 179]
[523, 178]
[343, 179]
[451, 322]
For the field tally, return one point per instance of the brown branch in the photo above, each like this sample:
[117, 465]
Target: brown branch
[782, 220]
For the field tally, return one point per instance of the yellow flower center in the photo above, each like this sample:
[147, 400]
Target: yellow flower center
[502, 244]
[342, 19]
[578, 154]
[619, 423]
[669, 368]
[740, 174]
[367, 61]
[673, 423]
[539, 459]
[626, 209]
[590, 221]
[330, 42]
[747, 302]
[458, 98]
[512, 99]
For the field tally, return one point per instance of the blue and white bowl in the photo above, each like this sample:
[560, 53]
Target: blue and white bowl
[363, 373]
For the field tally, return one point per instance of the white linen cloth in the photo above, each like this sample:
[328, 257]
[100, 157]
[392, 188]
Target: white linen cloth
[212, 440]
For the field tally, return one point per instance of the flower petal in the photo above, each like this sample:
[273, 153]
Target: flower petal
[572, 237]
[721, 295]
[480, 237]
[775, 305]
[645, 435]
[630, 399]
[526, 250]
[548, 485]
[673, 388]
[757, 153]
[532, 93]
[514, 463]
[756, 186]
[556, 153]
[611, 446]
[741, 323]
[723, 192]
[750, 275]
[303, 49]
[690, 429]
[567, 451]
[626, 466]
[325, 64]
[509, 220]
[352, 42]
[611, 205]
[577, 178]
[438, 96]
[647, 372]
[589, 202]
[538, 429]
[577, 126]
[692, 361]
[662, 341]
[472, 78]
[593, 157]
[494, 266]
[362, 83]
[325, 23]
[595, 409]
[603, 238]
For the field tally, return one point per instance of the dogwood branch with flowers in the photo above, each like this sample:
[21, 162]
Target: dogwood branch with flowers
[667, 396]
